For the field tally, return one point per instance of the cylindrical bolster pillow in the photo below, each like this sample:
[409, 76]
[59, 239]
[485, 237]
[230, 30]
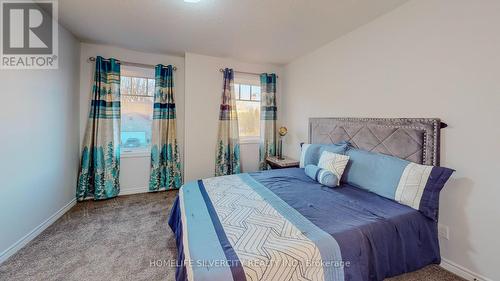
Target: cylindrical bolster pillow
[322, 176]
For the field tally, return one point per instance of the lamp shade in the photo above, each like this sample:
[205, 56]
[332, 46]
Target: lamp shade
[282, 131]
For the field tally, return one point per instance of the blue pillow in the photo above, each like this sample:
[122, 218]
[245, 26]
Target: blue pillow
[323, 176]
[311, 152]
[408, 183]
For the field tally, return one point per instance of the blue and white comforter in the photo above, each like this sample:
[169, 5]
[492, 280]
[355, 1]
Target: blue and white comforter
[281, 225]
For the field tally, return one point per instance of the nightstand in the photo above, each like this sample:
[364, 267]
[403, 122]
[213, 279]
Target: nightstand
[276, 163]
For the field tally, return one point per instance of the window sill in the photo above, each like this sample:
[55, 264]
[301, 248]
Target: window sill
[249, 140]
[136, 154]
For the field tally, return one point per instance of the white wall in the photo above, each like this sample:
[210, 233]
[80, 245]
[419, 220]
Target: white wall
[39, 146]
[203, 95]
[134, 171]
[425, 59]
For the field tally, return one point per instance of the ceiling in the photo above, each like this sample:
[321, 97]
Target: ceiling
[270, 31]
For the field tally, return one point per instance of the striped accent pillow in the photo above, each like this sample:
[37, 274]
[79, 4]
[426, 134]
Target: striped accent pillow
[322, 176]
[334, 163]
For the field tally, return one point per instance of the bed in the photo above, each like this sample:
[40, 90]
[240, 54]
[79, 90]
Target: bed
[283, 225]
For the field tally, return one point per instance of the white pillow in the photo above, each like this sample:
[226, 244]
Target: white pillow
[333, 162]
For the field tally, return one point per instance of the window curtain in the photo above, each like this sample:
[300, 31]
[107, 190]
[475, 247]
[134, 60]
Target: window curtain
[268, 109]
[228, 143]
[100, 163]
[165, 164]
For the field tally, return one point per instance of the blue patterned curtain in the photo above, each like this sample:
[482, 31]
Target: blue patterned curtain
[267, 118]
[228, 143]
[165, 164]
[100, 164]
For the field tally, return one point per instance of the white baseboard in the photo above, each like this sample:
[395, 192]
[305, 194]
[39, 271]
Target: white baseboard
[41, 227]
[134, 190]
[35, 232]
[462, 271]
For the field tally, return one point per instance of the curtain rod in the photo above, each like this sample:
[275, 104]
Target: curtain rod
[243, 72]
[92, 59]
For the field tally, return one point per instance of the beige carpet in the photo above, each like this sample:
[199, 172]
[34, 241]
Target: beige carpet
[118, 239]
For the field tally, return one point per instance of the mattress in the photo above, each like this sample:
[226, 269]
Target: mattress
[282, 225]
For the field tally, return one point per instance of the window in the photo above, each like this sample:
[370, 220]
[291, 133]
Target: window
[137, 95]
[247, 97]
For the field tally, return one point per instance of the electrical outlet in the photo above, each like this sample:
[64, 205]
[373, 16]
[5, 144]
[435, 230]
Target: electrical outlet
[444, 231]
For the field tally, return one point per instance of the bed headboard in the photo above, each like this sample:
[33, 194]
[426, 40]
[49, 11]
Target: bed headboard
[413, 139]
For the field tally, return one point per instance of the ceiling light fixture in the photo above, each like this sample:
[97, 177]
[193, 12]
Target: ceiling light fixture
[192, 1]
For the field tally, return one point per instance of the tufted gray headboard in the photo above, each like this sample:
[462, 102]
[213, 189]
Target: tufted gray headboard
[413, 139]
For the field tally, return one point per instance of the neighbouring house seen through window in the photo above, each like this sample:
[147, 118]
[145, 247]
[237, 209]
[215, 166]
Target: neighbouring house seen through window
[247, 96]
[137, 93]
